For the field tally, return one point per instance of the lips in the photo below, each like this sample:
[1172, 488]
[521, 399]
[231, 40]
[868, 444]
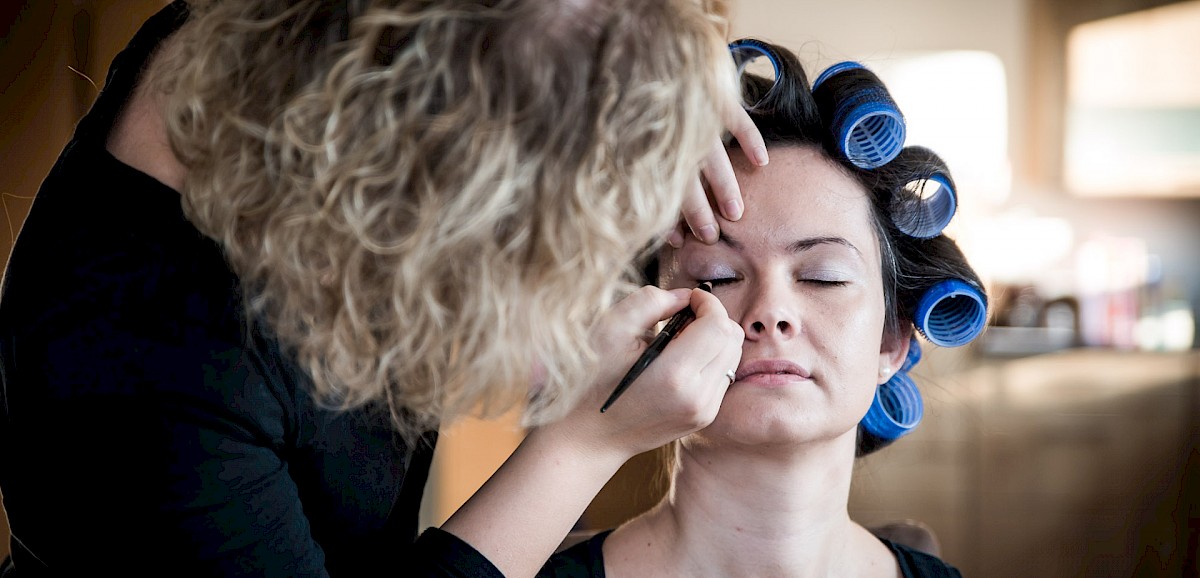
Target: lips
[771, 371]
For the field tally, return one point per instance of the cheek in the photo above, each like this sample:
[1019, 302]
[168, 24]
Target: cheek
[850, 335]
[851, 316]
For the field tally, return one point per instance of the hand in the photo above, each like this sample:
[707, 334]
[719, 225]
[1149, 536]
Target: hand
[717, 172]
[546, 484]
[682, 389]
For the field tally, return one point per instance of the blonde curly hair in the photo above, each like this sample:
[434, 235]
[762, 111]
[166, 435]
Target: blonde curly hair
[422, 198]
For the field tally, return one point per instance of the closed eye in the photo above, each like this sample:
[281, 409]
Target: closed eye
[825, 282]
[720, 281]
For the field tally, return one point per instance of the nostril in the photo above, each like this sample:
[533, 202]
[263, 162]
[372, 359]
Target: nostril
[783, 326]
[758, 327]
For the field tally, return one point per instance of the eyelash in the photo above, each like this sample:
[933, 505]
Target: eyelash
[821, 282]
[719, 281]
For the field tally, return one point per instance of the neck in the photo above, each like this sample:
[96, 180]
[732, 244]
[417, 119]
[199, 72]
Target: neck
[138, 136]
[759, 512]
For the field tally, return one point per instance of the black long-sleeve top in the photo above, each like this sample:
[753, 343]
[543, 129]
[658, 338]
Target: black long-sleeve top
[148, 429]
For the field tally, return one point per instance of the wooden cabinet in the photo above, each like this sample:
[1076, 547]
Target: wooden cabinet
[1079, 463]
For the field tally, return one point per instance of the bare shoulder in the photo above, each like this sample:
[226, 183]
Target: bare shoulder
[874, 558]
[635, 549]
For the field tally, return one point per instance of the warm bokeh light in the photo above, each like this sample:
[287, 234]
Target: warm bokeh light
[956, 103]
[1133, 104]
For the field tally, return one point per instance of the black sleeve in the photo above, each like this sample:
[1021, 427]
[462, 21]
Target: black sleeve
[581, 560]
[442, 554]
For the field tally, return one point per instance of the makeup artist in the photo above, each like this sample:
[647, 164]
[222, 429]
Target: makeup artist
[293, 238]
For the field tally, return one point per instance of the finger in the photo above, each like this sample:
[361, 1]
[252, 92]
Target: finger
[713, 342]
[698, 213]
[645, 307]
[705, 304]
[675, 236]
[715, 377]
[712, 330]
[718, 172]
[749, 139]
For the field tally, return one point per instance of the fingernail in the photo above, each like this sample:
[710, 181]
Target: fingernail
[760, 156]
[708, 233]
[675, 239]
[733, 209]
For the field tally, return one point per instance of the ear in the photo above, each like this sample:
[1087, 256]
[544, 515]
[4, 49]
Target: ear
[892, 352]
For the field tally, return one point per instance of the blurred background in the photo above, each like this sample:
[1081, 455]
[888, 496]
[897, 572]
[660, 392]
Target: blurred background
[1066, 440]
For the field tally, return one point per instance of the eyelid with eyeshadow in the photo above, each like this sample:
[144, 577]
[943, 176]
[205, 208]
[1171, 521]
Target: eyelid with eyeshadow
[828, 275]
[715, 272]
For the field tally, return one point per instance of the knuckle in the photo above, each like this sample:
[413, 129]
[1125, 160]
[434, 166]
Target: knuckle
[647, 293]
[695, 213]
[722, 180]
[733, 330]
[693, 416]
[675, 383]
[702, 416]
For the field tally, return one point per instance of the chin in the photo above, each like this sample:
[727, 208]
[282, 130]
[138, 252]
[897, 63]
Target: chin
[757, 427]
[775, 423]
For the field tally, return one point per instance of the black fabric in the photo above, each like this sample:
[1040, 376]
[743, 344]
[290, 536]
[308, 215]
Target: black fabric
[918, 564]
[148, 428]
[586, 560]
[444, 554]
[581, 560]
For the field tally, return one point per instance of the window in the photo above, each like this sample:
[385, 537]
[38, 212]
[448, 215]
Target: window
[1133, 104]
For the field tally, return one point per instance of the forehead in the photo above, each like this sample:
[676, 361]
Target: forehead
[802, 193]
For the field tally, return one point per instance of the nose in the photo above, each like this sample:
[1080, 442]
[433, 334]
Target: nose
[771, 313]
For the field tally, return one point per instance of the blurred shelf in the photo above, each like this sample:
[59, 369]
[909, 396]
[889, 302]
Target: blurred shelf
[1001, 341]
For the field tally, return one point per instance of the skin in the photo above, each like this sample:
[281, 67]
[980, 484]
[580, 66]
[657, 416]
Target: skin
[718, 179]
[546, 484]
[763, 490]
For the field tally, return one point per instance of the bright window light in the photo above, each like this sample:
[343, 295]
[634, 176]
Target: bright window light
[1133, 104]
[956, 103]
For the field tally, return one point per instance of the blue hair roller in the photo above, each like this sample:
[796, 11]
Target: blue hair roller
[951, 313]
[896, 410]
[866, 123]
[914, 354]
[747, 50]
[932, 212]
[832, 70]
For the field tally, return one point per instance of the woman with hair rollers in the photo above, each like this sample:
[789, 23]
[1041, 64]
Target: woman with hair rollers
[326, 228]
[839, 255]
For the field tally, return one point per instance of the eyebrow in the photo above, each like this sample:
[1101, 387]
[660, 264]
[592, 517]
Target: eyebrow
[795, 246]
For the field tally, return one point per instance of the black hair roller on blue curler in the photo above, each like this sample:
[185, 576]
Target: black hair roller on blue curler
[951, 313]
[865, 124]
[896, 410]
[925, 200]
